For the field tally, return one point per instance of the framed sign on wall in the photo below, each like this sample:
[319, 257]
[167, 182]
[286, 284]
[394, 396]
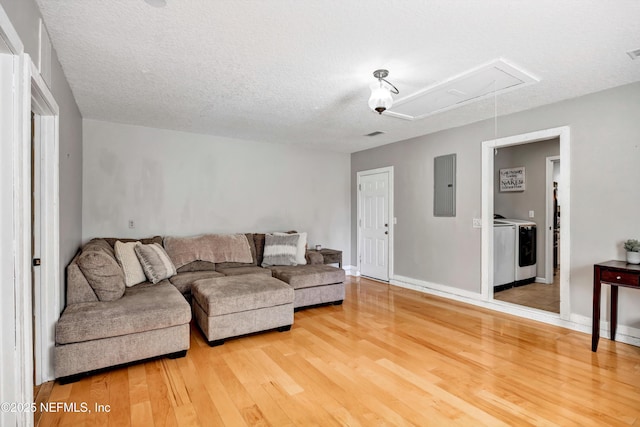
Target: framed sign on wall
[512, 179]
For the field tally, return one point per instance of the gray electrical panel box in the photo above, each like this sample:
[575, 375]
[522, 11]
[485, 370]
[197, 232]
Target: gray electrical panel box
[444, 185]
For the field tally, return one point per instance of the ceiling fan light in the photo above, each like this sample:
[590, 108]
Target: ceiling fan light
[380, 99]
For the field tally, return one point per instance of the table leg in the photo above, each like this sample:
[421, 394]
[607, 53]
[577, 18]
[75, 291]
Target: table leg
[614, 312]
[595, 329]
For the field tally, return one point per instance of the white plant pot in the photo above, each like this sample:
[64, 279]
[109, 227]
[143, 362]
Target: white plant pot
[633, 257]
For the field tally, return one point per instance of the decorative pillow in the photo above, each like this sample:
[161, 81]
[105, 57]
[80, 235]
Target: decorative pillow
[155, 262]
[280, 249]
[103, 273]
[302, 246]
[126, 256]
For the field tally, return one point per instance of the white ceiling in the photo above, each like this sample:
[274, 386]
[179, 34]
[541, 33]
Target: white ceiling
[298, 71]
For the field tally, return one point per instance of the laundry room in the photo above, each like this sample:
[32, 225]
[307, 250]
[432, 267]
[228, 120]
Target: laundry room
[524, 209]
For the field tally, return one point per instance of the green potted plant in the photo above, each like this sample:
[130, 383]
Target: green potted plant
[632, 246]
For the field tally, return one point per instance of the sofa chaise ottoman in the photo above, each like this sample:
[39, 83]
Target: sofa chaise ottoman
[237, 305]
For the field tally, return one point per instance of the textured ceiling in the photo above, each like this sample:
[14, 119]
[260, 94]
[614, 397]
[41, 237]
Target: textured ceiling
[298, 71]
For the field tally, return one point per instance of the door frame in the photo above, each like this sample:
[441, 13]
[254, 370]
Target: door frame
[360, 174]
[29, 92]
[47, 295]
[548, 261]
[488, 147]
[16, 364]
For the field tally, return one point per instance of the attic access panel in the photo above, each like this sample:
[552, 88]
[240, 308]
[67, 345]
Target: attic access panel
[470, 86]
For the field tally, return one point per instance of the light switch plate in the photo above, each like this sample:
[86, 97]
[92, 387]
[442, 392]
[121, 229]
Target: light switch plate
[531, 214]
[477, 222]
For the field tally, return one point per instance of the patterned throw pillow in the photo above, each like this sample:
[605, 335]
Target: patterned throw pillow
[280, 249]
[302, 247]
[155, 262]
[126, 256]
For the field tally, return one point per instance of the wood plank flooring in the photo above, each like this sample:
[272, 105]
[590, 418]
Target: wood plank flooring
[387, 356]
[536, 295]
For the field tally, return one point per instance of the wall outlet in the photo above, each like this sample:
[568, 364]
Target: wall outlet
[531, 214]
[132, 224]
[477, 222]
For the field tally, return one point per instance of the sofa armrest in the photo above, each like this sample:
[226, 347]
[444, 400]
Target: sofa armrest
[314, 257]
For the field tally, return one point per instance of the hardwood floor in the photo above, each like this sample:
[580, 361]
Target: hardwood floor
[536, 295]
[387, 356]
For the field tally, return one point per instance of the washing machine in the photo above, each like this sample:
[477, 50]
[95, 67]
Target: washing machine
[504, 256]
[525, 249]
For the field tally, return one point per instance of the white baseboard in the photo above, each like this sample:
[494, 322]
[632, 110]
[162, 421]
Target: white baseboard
[624, 334]
[351, 270]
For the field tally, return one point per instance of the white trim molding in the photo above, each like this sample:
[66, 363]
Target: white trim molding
[22, 89]
[488, 147]
[351, 270]
[16, 355]
[9, 35]
[549, 218]
[624, 334]
[47, 298]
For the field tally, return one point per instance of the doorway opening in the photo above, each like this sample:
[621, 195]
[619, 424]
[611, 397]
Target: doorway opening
[519, 208]
[523, 217]
[375, 223]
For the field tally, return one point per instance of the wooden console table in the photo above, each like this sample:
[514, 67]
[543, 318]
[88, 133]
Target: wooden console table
[331, 256]
[614, 273]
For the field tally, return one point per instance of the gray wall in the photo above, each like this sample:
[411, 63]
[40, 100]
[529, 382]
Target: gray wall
[25, 15]
[178, 183]
[517, 204]
[605, 154]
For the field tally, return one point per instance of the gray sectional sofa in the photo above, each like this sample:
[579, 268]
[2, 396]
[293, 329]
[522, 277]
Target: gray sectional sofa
[100, 328]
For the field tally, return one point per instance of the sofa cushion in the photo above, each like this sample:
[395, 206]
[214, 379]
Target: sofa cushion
[197, 266]
[258, 239]
[214, 248]
[102, 271]
[305, 276]
[254, 262]
[235, 271]
[233, 294]
[155, 262]
[126, 256]
[145, 241]
[314, 257]
[183, 281]
[99, 245]
[280, 249]
[144, 307]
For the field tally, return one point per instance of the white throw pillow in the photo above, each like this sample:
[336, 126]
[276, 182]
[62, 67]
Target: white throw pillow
[302, 247]
[126, 256]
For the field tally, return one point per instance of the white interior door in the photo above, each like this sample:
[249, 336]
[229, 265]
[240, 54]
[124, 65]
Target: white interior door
[374, 225]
